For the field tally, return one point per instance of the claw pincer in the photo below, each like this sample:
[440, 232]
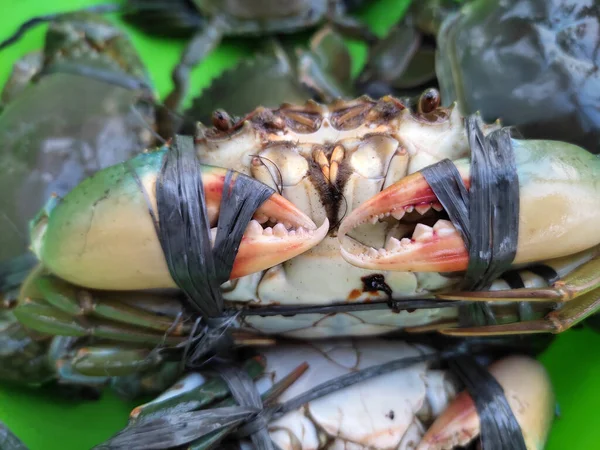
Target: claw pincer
[546, 210]
[559, 208]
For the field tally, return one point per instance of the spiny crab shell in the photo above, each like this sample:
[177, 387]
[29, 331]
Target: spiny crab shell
[327, 160]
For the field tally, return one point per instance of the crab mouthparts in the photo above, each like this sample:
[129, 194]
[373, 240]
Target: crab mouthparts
[427, 242]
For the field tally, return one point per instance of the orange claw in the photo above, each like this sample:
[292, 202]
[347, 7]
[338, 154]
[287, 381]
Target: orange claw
[259, 251]
[529, 393]
[263, 248]
[441, 250]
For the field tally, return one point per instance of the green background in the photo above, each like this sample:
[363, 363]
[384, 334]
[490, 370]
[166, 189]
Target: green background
[45, 422]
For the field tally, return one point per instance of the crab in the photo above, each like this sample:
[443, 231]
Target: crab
[211, 20]
[336, 167]
[421, 405]
[50, 145]
[546, 46]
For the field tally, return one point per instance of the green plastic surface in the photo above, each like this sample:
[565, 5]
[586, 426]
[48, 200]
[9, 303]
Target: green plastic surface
[45, 422]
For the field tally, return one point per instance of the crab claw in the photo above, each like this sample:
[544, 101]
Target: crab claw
[529, 393]
[102, 236]
[278, 231]
[559, 207]
[439, 248]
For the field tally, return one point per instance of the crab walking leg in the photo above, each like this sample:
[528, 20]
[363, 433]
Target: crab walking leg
[48, 305]
[166, 310]
[582, 280]
[192, 392]
[555, 322]
[578, 295]
[529, 393]
[559, 210]
[101, 235]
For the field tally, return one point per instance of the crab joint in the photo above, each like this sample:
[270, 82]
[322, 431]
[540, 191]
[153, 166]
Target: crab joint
[529, 394]
[102, 234]
[559, 203]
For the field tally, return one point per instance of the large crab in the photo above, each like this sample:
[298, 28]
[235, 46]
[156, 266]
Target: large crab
[336, 167]
[50, 145]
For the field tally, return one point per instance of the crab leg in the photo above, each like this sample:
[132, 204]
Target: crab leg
[201, 45]
[555, 322]
[582, 280]
[102, 234]
[48, 305]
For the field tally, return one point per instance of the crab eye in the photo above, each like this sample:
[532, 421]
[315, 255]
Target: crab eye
[429, 101]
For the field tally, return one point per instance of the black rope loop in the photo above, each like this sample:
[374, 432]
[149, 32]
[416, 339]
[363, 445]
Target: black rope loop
[183, 229]
[487, 215]
[246, 394]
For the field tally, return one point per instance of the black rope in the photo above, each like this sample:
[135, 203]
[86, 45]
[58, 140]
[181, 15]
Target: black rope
[395, 305]
[184, 233]
[499, 427]
[487, 217]
[488, 220]
[546, 272]
[245, 392]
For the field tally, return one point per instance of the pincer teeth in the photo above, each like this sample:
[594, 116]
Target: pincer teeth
[280, 230]
[392, 244]
[261, 218]
[253, 229]
[422, 233]
[398, 214]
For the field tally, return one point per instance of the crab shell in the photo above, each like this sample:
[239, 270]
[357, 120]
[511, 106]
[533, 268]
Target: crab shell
[248, 17]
